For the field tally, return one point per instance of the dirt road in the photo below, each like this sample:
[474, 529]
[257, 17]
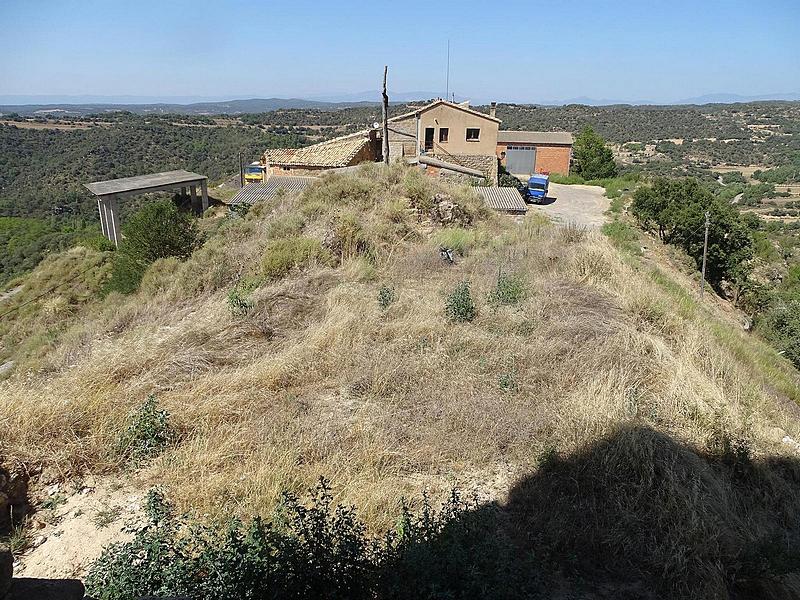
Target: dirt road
[583, 205]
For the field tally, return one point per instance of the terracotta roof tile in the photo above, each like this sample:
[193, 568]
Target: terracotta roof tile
[333, 153]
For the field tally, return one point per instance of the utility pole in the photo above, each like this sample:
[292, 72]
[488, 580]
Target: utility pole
[385, 118]
[241, 171]
[447, 92]
[705, 253]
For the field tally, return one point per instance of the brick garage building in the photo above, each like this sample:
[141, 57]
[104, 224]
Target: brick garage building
[528, 152]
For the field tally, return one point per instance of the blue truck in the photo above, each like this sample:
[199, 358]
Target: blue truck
[536, 190]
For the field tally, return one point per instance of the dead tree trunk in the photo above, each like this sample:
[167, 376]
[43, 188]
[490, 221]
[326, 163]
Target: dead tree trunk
[385, 118]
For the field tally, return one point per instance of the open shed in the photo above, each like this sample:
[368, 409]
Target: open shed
[108, 192]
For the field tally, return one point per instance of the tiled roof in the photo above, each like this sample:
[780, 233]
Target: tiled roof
[535, 137]
[267, 190]
[446, 103]
[333, 153]
[507, 199]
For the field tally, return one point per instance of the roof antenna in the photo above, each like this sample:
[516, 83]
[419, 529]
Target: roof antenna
[447, 93]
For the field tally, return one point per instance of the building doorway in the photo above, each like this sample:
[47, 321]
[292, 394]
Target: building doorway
[428, 139]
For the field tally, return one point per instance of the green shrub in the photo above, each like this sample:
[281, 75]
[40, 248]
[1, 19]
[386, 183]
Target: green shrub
[157, 231]
[571, 179]
[459, 306]
[460, 239]
[386, 295]
[780, 324]
[593, 159]
[311, 549]
[286, 226]
[284, 254]
[238, 302]
[146, 435]
[509, 289]
[622, 235]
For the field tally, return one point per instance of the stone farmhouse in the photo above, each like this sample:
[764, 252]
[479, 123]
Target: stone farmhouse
[441, 137]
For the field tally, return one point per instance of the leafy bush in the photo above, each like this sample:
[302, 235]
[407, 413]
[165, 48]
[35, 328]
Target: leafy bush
[238, 302]
[157, 231]
[676, 210]
[314, 550]
[593, 159]
[732, 177]
[146, 435]
[460, 239]
[284, 254]
[459, 306]
[386, 295]
[780, 324]
[286, 226]
[509, 289]
[622, 235]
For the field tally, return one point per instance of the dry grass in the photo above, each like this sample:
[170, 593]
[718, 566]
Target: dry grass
[317, 379]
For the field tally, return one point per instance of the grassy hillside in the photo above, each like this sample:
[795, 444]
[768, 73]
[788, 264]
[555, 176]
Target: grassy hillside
[621, 437]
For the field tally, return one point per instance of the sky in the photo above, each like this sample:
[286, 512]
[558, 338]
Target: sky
[512, 51]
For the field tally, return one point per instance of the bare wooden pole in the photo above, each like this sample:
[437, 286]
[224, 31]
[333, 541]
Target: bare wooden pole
[705, 253]
[385, 118]
[241, 171]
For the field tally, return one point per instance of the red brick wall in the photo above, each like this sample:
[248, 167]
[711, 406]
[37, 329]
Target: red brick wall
[549, 159]
[552, 159]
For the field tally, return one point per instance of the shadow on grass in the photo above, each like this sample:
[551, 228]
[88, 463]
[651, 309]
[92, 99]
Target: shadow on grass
[634, 515]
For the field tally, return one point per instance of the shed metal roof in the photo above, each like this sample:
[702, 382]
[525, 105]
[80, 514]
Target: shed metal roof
[143, 183]
[506, 199]
[535, 137]
[267, 190]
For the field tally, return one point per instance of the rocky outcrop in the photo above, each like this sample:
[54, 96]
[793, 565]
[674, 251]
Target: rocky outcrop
[6, 570]
[13, 498]
[447, 212]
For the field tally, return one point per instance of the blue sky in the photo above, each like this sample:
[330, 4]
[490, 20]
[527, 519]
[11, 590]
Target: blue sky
[509, 51]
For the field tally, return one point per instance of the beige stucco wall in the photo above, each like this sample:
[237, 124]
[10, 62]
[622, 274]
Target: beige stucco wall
[458, 121]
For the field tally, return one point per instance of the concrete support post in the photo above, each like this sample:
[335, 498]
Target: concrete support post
[204, 194]
[112, 216]
[193, 197]
[102, 210]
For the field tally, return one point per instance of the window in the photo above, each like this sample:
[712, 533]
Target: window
[473, 134]
[444, 133]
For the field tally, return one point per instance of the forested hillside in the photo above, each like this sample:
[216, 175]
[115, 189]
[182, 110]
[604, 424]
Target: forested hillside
[42, 172]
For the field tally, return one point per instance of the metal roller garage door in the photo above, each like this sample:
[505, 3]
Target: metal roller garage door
[521, 160]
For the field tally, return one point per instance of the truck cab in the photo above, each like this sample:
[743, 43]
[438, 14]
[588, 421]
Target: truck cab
[254, 173]
[536, 190]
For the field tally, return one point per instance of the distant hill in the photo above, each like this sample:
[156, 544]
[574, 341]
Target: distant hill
[252, 105]
[86, 105]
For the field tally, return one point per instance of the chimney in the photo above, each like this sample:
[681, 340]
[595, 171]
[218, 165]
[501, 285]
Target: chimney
[492, 109]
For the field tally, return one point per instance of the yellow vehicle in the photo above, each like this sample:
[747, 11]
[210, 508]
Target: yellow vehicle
[254, 173]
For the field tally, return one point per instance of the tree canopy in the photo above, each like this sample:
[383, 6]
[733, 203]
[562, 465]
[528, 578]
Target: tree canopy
[156, 231]
[675, 209]
[593, 159]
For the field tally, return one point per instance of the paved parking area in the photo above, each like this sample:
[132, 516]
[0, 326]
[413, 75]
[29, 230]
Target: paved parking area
[583, 205]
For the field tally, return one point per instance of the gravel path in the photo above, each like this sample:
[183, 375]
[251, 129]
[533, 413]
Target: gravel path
[583, 205]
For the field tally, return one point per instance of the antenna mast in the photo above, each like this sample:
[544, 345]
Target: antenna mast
[447, 92]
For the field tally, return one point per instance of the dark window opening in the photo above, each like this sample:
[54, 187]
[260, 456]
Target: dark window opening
[429, 138]
[473, 134]
[444, 132]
